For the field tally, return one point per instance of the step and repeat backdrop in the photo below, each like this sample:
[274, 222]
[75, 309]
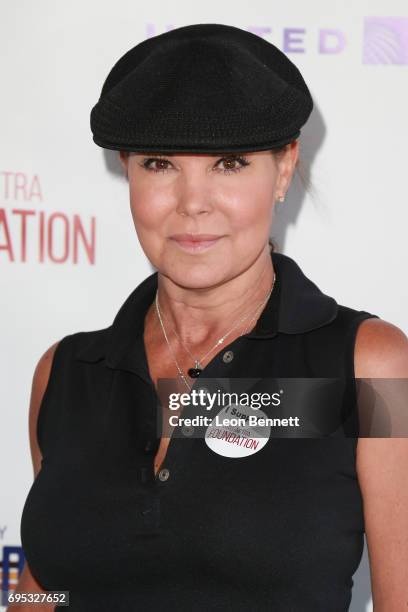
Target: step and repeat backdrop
[69, 254]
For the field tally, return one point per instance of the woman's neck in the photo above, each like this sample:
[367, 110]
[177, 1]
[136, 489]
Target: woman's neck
[199, 316]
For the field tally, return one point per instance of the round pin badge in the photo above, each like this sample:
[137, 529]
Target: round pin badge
[235, 432]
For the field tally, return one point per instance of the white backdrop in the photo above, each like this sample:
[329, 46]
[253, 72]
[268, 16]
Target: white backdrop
[69, 255]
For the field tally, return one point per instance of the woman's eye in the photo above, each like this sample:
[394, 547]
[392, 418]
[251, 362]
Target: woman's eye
[161, 163]
[230, 164]
[231, 161]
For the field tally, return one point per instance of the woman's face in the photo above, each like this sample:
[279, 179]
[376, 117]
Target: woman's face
[230, 196]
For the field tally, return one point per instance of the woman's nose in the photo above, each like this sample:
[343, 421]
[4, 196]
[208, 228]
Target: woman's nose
[194, 204]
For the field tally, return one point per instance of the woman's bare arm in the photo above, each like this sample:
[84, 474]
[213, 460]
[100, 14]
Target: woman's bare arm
[381, 351]
[27, 582]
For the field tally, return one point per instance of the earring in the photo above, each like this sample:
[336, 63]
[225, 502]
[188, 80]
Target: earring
[281, 198]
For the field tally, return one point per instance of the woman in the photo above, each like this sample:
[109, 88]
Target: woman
[206, 120]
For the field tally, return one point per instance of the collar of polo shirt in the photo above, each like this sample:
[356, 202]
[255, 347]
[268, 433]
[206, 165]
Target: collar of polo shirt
[295, 306]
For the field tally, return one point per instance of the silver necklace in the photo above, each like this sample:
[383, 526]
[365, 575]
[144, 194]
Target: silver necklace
[199, 361]
[196, 371]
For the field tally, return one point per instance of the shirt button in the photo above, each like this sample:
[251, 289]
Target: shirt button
[164, 474]
[187, 430]
[228, 356]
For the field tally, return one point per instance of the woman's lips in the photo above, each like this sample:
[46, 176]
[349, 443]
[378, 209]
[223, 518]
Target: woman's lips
[193, 246]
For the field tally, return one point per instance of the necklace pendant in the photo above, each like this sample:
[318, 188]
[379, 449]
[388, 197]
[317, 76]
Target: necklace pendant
[196, 371]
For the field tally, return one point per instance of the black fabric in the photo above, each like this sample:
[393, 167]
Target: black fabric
[201, 88]
[279, 530]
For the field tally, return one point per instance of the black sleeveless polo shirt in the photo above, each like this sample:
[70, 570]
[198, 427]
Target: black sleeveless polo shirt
[280, 530]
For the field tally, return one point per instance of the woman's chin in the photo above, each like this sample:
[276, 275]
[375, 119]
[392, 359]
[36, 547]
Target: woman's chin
[195, 275]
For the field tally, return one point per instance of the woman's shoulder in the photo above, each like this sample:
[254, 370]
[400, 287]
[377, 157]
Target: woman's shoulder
[380, 347]
[90, 345]
[381, 350]
[84, 345]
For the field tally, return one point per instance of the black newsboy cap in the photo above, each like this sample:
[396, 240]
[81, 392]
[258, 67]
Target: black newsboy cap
[201, 88]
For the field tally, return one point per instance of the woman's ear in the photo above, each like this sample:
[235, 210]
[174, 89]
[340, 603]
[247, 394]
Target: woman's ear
[287, 161]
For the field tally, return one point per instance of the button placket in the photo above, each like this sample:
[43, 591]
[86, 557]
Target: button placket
[175, 461]
[163, 474]
[228, 356]
[187, 430]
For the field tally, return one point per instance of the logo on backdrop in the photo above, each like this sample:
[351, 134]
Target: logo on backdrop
[11, 565]
[384, 39]
[28, 234]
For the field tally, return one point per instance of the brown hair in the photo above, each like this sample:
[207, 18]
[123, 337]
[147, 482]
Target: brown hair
[300, 170]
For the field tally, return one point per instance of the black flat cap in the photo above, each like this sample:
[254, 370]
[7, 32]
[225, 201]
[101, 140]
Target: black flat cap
[201, 88]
